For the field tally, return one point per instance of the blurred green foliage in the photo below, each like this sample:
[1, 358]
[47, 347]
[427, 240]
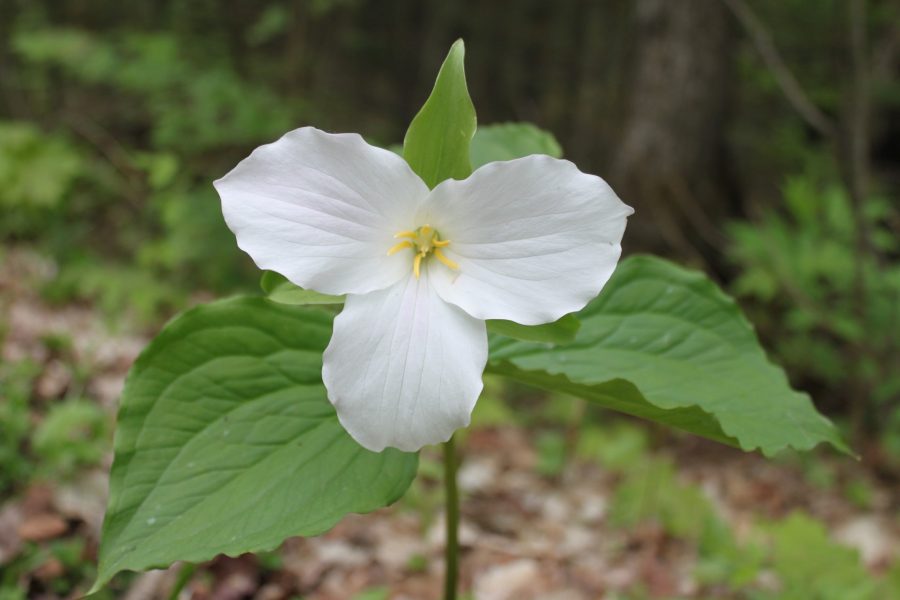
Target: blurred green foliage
[70, 435]
[810, 565]
[114, 177]
[36, 172]
[618, 446]
[798, 549]
[70, 555]
[15, 421]
[651, 491]
[46, 442]
[832, 312]
[819, 276]
[73, 434]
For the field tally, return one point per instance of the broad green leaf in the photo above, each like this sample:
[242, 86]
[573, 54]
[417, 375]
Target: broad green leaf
[507, 141]
[279, 289]
[561, 331]
[664, 343]
[436, 145]
[226, 442]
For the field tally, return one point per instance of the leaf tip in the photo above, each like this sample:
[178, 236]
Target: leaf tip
[98, 585]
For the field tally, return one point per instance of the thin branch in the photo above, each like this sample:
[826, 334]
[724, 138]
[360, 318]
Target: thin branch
[857, 161]
[792, 89]
[858, 118]
[112, 150]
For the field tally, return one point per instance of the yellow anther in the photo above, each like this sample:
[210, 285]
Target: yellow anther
[423, 241]
[398, 247]
[446, 261]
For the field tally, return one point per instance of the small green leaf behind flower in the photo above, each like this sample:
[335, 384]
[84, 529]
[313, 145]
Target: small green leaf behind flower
[506, 141]
[279, 289]
[436, 145]
[561, 331]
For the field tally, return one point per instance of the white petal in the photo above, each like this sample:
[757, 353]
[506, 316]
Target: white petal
[321, 209]
[534, 238]
[403, 368]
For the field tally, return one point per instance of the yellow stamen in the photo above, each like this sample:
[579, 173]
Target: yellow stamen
[398, 247]
[423, 241]
[446, 261]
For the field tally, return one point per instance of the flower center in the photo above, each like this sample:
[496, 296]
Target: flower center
[424, 241]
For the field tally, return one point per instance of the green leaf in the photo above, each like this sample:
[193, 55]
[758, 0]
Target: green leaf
[507, 141]
[436, 145]
[561, 331]
[666, 344]
[226, 442]
[811, 565]
[279, 289]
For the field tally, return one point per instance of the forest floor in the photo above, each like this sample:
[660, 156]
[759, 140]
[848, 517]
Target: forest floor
[618, 513]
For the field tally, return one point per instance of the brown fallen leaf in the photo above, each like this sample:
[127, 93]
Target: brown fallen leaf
[49, 570]
[39, 528]
[517, 579]
[53, 381]
[10, 540]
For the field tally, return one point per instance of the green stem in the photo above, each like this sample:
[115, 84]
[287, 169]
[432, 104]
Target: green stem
[184, 575]
[451, 499]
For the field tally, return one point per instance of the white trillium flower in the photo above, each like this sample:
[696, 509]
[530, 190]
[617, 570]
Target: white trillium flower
[528, 240]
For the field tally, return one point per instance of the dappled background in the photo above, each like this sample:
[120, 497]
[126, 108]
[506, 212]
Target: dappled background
[759, 142]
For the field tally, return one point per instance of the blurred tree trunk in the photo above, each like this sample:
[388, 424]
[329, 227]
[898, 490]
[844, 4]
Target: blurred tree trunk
[671, 163]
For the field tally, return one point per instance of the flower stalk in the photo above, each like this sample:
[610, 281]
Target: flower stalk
[451, 501]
